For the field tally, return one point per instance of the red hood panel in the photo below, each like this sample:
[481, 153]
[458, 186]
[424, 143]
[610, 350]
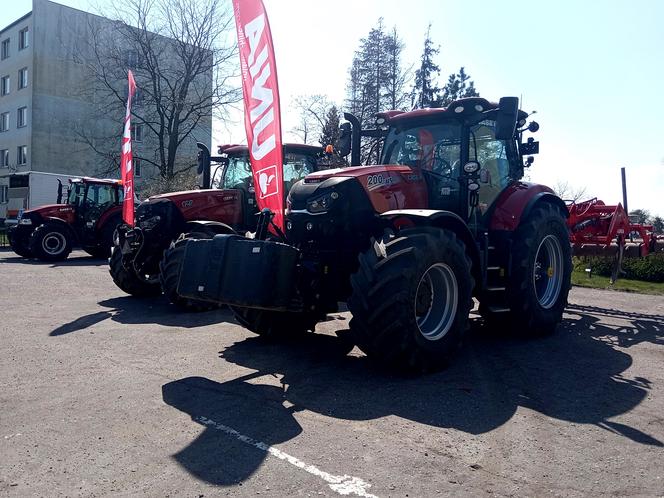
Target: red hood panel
[356, 171]
[51, 210]
[208, 204]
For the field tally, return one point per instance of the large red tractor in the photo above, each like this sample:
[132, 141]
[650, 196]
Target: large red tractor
[407, 243]
[147, 260]
[88, 219]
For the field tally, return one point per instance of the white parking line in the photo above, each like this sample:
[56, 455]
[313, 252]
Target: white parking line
[344, 485]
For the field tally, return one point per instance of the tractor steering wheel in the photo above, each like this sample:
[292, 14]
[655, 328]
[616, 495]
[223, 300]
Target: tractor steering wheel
[447, 168]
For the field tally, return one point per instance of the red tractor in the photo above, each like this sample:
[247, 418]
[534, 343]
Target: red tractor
[406, 244]
[147, 260]
[88, 219]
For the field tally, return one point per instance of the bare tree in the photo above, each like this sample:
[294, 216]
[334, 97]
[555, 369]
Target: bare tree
[569, 192]
[185, 66]
[312, 111]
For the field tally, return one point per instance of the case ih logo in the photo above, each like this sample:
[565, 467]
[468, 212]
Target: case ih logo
[267, 181]
[187, 204]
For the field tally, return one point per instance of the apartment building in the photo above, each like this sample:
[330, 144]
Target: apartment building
[46, 98]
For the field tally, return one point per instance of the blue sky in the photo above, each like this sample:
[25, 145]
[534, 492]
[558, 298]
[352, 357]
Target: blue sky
[593, 71]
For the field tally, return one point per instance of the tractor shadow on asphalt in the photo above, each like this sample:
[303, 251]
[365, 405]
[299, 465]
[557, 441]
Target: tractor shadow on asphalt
[130, 310]
[76, 260]
[575, 375]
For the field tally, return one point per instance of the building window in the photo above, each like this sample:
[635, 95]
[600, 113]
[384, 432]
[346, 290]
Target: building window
[4, 121]
[22, 78]
[137, 133]
[132, 59]
[22, 155]
[23, 39]
[5, 85]
[137, 101]
[5, 49]
[4, 194]
[22, 117]
[137, 167]
[4, 158]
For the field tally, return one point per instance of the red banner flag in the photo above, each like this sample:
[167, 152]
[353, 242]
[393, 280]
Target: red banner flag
[126, 159]
[262, 115]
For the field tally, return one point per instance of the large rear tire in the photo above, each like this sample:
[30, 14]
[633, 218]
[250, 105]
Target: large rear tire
[169, 274]
[540, 279]
[276, 325]
[107, 239]
[127, 280]
[50, 242]
[411, 299]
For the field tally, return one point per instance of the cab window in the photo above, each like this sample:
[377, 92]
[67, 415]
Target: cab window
[296, 167]
[237, 174]
[492, 155]
[435, 147]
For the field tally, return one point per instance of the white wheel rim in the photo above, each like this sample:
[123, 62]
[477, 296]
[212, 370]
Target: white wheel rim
[548, 271]
[54, 243]
[436, 301]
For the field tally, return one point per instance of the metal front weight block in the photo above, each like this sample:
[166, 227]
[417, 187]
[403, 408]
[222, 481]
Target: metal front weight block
[234, 270]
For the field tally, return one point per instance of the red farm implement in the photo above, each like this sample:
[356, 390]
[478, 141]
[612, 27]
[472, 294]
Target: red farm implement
[598, 229]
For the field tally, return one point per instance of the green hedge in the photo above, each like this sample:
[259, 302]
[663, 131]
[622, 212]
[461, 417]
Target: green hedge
[648, 269]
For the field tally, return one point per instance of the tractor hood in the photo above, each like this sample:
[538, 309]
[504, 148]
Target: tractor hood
[50, 210]
[181, 194]
[356, 172]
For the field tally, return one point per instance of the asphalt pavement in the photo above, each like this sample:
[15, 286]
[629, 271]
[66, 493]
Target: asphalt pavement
[104, 394]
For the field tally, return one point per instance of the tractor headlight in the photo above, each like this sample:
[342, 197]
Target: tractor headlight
[25, 221]
[322, 203]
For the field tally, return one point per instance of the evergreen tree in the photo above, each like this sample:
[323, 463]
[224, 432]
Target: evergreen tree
[396, 76]
[330, 132]
[425, 92]
[376, 81]
[458, 86]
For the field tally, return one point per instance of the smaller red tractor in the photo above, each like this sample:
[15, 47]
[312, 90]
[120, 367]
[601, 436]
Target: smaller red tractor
[147, 260]
[88, 218]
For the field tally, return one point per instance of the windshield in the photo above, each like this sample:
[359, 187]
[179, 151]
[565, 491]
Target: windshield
[75, 194]
[238, 172]
[435, 147]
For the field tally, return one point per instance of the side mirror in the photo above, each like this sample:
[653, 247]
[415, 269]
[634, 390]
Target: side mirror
[508, 111]
[59, 191]
[343, 144]
[203, 158]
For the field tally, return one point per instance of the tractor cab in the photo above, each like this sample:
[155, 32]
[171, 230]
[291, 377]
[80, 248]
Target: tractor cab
[299, 161]
[460, 152]
[91, 199]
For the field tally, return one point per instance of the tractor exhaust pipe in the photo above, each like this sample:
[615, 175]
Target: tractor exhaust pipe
[356, 135]
[624, 188]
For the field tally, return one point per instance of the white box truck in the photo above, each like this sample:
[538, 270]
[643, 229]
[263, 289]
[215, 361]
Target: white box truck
[29, 190]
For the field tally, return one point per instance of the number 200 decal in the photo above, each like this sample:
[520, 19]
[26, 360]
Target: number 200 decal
[374, 181]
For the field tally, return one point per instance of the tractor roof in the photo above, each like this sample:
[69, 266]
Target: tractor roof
[464, 107]
[100, 181]
[233, 149]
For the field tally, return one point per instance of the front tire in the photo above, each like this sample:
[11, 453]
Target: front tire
[19, 246]
[169, 275]
[50, 242]
[127, 280]
[411, 299]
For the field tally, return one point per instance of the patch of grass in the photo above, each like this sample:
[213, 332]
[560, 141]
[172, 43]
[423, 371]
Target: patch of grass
[581, 279]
